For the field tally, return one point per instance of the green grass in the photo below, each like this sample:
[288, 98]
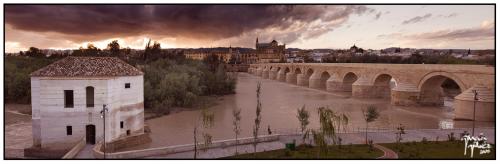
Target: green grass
[436, 150]
[308, 152]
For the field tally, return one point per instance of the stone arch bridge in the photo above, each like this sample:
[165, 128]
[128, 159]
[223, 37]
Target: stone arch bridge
[415, 84]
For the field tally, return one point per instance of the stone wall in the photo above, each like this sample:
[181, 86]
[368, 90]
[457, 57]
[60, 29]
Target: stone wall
[128, 141]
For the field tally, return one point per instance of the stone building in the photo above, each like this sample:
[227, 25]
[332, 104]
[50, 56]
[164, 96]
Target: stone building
[239, 55]
[68, 96]
[224, 53]
[270, 52]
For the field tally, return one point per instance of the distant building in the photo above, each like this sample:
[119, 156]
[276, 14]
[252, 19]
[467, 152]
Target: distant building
[270, 52]
[68, 95]
[200, 54]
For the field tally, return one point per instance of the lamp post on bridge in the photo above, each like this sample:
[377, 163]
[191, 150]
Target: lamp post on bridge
[474, 112]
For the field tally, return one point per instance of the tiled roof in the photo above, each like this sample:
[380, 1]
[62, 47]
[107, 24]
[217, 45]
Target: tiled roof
[87, 67]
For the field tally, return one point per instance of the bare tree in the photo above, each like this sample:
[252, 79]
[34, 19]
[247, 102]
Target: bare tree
[236, 125]
[370, 115]
[257, 119]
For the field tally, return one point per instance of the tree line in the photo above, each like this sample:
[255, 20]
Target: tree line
[413, 59]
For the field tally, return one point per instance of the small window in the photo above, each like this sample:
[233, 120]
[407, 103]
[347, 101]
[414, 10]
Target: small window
[90, 96]
[121, 124]
[128, 132]
[69, 130]
[68, 99]
[127, 85]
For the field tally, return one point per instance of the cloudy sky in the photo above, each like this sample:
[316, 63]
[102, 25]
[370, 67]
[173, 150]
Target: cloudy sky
[300, 26]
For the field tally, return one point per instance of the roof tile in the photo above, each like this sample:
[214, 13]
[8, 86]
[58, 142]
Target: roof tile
[87, 67]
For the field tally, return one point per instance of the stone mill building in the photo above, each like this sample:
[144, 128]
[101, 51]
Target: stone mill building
[68, 96]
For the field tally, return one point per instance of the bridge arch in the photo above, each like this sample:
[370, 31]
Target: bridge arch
[297, 71]
[309, 72]
[348, 79]
[436, 86]
[382, 84]
[287, 69]
[325, 75]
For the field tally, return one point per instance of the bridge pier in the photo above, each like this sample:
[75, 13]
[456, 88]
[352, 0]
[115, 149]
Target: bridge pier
[291, 78]
[302, 80]
[362, 88]
[405, 94]
[485, 104]
[334, 84]
[258, 72]
[315, 81]
[272, 74]
[265, 74]
[281, 75]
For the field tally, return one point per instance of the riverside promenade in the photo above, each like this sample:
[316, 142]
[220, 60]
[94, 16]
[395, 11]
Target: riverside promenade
[347, 138]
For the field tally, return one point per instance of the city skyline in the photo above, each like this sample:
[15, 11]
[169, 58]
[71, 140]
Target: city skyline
[300, 26]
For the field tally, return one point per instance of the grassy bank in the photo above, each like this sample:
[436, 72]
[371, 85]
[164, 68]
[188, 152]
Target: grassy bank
[436, 150]
[308, 152]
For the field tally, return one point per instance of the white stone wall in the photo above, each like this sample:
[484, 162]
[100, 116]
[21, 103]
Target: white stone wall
[48, 107]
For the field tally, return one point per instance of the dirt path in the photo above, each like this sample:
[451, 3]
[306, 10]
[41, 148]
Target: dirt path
[18, 134]
[388, 153]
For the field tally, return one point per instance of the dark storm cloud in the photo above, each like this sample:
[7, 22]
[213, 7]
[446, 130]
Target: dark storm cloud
[417, 19]
[92, 22]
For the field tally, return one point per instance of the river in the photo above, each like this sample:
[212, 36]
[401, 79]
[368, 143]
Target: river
[280, 102]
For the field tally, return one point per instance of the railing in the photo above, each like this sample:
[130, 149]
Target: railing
[295, 131]
[75, 150]
[179, 148]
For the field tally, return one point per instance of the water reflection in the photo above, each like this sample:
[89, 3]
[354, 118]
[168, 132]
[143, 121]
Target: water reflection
[280, 102]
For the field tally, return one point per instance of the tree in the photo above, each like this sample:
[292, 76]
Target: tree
[35, 52]
[399, 133]
[212, 61]
[114, 48]
[236, 125]
[257, 119]
[370, 115]
[303, 116]
[152, 51]
[330, 122]
[207, 122]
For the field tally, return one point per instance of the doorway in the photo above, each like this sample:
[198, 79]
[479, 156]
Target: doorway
[90, 134]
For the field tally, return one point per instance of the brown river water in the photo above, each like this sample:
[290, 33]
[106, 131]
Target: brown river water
[280, 102]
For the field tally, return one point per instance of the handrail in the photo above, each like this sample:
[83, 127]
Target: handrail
[75, 150]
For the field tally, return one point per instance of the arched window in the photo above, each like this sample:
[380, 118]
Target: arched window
[90, 96]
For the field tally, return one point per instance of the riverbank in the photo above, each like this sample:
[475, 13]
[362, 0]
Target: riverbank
[203, 103]
[18, 134]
